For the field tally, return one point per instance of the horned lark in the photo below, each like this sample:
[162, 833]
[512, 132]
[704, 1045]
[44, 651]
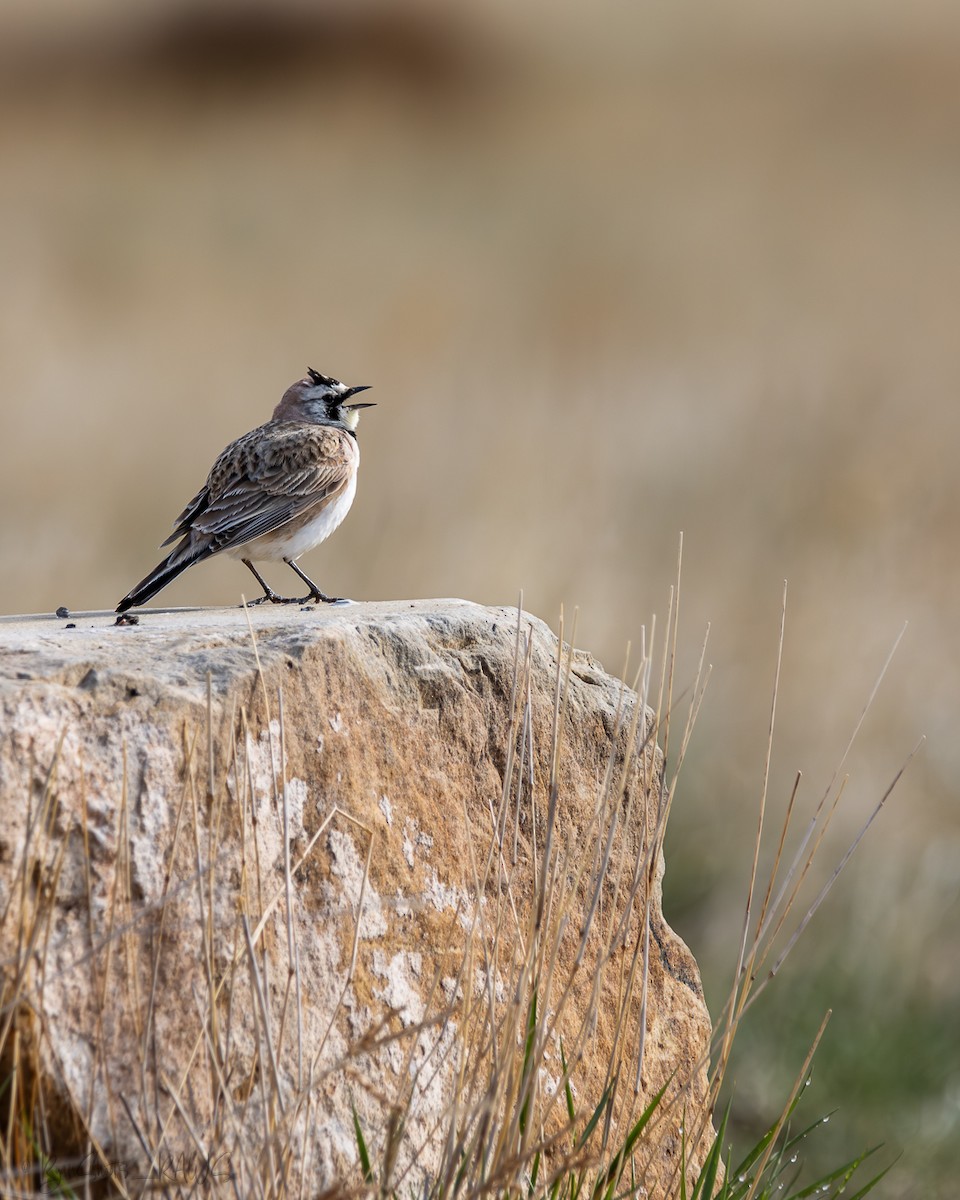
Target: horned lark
[274, 493]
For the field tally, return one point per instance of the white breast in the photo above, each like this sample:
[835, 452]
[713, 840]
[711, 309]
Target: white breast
[284, 543]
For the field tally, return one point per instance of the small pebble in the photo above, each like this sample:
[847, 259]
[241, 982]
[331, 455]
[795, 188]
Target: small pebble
[70, 625]
[127, 619]
[63, 611]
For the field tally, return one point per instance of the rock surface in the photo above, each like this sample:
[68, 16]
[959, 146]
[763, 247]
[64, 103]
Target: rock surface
[256, 878]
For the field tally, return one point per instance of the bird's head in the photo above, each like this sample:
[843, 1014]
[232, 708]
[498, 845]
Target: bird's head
[321, 398]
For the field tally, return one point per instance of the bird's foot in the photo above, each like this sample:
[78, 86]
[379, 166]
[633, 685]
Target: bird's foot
[318, 597]
[271, 597]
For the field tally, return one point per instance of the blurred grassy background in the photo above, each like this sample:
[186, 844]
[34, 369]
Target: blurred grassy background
[615, 272]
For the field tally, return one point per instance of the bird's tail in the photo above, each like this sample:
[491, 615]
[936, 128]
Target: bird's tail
[162, 574]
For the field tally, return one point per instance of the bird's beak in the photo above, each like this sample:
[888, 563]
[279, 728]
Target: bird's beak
[365, 387]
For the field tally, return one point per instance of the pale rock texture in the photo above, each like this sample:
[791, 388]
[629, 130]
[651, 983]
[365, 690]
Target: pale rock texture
[327, 788]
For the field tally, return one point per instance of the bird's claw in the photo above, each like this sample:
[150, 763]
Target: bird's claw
[271, 598]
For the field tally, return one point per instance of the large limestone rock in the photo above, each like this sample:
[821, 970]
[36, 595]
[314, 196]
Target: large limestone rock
[256, 878]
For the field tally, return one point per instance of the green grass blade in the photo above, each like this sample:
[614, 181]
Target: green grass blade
[527, 1072]
[706, 1181]
[795, 1140]
[606, 1184]
[871, 1184]
[643, 1121]
[362, 1148]
[742, 1168]
[568, 1092]
[753, 1156]
[843, 1174]
[683, 1164]
[592, 1123]
[534, 1172]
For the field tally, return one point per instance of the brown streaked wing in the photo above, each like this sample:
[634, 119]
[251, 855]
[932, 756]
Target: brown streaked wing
[261, 482]
[220, 469]
[186, 518]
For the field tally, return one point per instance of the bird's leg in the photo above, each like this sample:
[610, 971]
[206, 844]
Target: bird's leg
[268, 592]
[315, 594]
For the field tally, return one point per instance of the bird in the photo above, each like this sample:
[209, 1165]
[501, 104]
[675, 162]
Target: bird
[274, 493]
